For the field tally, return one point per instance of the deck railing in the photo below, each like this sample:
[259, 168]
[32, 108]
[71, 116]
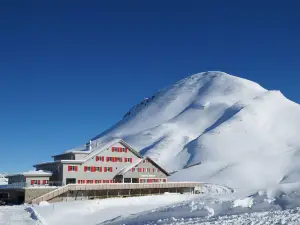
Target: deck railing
[114, 186]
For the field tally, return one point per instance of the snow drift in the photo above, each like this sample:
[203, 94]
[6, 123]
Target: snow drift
[217, 128]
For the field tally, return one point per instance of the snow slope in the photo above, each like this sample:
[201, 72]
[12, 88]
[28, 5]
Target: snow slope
[216, 128]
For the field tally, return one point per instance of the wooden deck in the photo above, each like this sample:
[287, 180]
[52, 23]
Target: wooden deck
[116, 186]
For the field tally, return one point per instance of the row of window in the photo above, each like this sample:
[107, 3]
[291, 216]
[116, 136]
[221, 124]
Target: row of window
[110, 169]
[113, 159]
[97, 169]
[145, 170]
[95, 181]
[143, 180]
[118, 149]
[39, 182]
[153, 180]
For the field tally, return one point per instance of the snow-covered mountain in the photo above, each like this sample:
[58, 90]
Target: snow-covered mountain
[217, 128]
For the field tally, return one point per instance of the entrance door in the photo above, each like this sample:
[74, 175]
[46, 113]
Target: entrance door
[71, 181]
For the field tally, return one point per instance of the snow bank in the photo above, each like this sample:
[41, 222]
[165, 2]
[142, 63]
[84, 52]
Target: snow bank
[98, 211]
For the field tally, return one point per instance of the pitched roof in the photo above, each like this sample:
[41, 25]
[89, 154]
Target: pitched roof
[137, 162]
[102, 147]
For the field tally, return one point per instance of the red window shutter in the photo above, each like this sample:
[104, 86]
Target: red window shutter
[112, 149]
[100, 168]
[105, 169]
[78, 181]
[144, 169]
[97, 158]
[126, 149]
[32, 182]
[39, 182]
[130, 160]
[120, 159]
[76, 168]
[165, 180]
[69, 168]
[106, 159]
[102, 158]
[85, 168]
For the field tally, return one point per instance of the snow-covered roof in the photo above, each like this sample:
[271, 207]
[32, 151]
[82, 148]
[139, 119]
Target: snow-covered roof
[73, 152]
[32, 173]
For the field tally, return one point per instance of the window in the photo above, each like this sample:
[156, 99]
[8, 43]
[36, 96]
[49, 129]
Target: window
[148, 170]
[88, 169]
[100, 158]
[81, 181]
[144, 170]
[108, 169]
[89, 181]
[97, 169]
[127, 160]
[35, 182]
[45, 182]
[73, 168]
[97, 181]
[133, 169]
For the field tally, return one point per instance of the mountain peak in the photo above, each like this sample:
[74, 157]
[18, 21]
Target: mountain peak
[215, 127]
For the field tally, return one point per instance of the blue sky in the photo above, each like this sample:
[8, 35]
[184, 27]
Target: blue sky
[69, 70]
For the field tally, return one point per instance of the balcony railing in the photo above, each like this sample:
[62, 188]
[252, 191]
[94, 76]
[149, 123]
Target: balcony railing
[20, 185]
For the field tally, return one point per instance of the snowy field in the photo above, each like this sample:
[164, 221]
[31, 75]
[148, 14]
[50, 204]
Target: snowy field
[277, 205]
[273, 206]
